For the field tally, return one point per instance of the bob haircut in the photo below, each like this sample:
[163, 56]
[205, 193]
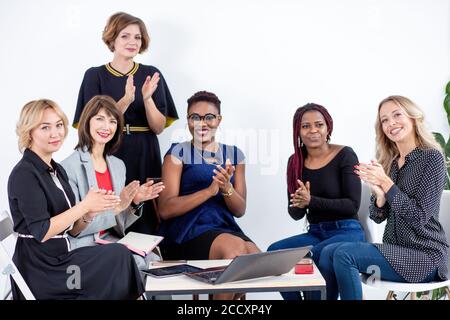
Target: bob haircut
[91, 109]
[119, 21]
[31, 117]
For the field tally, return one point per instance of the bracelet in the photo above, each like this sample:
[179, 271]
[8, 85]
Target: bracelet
[229, 192]
[87, 221]
[136, 207]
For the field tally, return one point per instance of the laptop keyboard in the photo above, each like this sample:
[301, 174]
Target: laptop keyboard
[209, 275]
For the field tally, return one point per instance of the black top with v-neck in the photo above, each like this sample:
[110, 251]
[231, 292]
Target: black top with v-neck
[335, 190]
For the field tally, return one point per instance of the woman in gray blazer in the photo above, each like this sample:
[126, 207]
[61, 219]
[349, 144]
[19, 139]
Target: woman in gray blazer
[92, 165]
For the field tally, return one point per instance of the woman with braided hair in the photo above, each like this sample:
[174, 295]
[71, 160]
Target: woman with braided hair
[321, 186]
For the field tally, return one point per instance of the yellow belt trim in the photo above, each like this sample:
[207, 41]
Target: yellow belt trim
[136, 129]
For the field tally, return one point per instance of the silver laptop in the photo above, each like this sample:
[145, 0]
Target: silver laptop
[250, 266]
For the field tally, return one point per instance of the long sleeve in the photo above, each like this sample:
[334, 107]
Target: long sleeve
[418, 207]
[378, 215]
[295, 213]
[27, 196]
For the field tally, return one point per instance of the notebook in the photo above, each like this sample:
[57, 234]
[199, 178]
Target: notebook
[250, 266]
[139, 243]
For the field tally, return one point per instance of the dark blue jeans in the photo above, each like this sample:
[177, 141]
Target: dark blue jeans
[341, 264]
[319, 236]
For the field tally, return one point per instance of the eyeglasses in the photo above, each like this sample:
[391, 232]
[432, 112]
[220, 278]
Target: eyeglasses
[209, 118]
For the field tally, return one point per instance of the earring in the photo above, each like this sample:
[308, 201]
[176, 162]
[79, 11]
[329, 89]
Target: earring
[328, 138]
[299, 142]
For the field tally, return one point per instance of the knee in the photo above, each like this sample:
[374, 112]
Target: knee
[235, 248]
[343, 255]
[276, 246]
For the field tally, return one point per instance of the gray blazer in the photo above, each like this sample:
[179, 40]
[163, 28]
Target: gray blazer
[81, 173]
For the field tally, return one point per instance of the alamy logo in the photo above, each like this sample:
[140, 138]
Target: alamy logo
[74, 280]
[375, 274]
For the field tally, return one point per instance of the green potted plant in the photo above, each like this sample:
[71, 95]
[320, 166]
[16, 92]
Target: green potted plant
[440, 138]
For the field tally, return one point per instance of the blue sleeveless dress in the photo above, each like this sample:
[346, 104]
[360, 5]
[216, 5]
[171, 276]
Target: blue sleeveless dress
[197, 175]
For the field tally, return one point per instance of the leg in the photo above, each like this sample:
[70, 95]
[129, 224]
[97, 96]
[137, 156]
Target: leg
[301, 240]
[327, 270]
[227, 246]
[297, 241]
[323, 257]
[350, 259]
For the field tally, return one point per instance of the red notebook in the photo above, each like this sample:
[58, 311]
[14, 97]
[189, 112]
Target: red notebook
[305, 266]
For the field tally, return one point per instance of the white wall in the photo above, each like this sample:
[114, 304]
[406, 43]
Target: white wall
[262, 58]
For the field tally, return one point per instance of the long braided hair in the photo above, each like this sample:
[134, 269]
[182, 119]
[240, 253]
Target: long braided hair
[295, 163]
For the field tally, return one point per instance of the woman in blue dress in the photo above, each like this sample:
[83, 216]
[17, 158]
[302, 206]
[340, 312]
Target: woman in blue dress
[205, 191]
[143, 97]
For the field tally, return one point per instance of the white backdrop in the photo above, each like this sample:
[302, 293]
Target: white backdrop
[262, 58]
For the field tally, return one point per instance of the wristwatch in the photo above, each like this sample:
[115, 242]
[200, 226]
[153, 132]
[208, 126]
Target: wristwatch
[229, 192]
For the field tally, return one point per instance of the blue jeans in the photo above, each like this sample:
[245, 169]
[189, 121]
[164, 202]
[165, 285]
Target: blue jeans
[320, 235]
[341, 264]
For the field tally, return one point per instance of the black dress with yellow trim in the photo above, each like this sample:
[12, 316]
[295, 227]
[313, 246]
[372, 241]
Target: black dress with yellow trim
[140, 147]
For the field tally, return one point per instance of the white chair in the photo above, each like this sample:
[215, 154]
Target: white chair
[7, 266]
[413, 288]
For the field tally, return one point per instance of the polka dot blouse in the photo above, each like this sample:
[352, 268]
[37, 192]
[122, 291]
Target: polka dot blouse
[414, 242]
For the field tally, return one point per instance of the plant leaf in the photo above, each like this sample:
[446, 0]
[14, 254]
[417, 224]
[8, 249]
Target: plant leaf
[440, 139]
[447, 147]
[447, 107]
[447, 88]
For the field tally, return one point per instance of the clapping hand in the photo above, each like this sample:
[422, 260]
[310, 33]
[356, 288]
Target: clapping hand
[127, 195]
[150, 85]
[130, 90]
[302, 195]
[223, 176]
[97, 201]
[374, 175]
[148, 191]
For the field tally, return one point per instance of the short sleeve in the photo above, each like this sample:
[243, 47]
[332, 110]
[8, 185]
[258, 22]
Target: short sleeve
[27, 194]
[235, 154]
[177, 150]
[164, 102]
[89, 87]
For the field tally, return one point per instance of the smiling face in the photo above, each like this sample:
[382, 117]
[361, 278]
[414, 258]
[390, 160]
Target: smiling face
[102, 127]
[129, 41]
[49, 135]
[204, 129]
[396, 124]
[313, 129]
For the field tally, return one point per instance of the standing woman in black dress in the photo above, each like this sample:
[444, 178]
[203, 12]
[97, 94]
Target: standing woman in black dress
[43, 209]
[143, 97]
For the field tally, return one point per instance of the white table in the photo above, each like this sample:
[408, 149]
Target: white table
[182, 284]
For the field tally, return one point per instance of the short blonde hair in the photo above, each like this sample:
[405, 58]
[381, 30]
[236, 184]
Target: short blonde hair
[31, 117]
[119, 21]
[386, 150]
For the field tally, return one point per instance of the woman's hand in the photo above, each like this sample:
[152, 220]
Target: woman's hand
[148, 191]
[374, 174]
[150, 85]
[223, 176]
[213, 188]
[130, 90]
[302, 195]
[97, 201]
[127, 195]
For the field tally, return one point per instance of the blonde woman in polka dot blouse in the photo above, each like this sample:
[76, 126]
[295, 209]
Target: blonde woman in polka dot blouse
[407, 181]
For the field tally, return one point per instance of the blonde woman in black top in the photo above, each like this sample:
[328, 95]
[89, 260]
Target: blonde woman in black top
[44, 212]
[407, 181]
